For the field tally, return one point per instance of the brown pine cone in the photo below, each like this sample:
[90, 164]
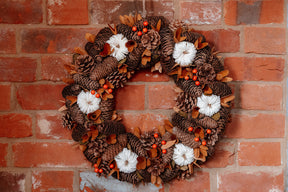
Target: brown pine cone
[147, 140]
[125, 30]
[92, 49]
[167, 42]
[117, 79]
[186, 138]
[208, 122]
[192, 36]
[168, 175]
[167, 157]
[111, 127]
[78, 132]
[175, 24]
[105, 166]
[188, 86]
[71, 90]
[101, 38]
[67, 121]
[153, 20]
[219, 88]
[151, 39]
[129, 177]
[95, 149]
[107, 108]
[101, 70]
[184, 175]
[182, 123]
[136, 145]
[135, 57]
[205, 73]
[75, 112]
[156, 167]
[112, 151]
[122, 140]
[185, 102]
[202, 56]
[86, 82]
[216, 63]
[84, 64]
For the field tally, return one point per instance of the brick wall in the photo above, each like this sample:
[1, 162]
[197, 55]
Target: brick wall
[38, 36]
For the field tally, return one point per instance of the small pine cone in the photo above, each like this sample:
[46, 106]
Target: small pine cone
[202, 56]
[107, 108]
[136, 145]
[125, 30]
[95, 149]
[84, 64]
[157, 167]
[112, 151]
[167, 63]
[76, 114]
[153, 20]
[167, 42]
[104, 165]
[111, 127]
[92, 49]
[86, 82]
[168, 156]
[78, 132]
[213, 137]
[182, 123]
[216, 63]
[175, 24]
[208, 122]
[135, 57]
[103, 36]
[185, 102]
[101, 70]
[184, 175]
[71, 90]
[188, 86]
[122, 140]
[92, 157]
[151, 39]
[67, 121]
[205, 73]
[169, 175]
[129, 177]
[219, 88]
[185, 138]
[192, 36]
[117, 79]
[147, 140]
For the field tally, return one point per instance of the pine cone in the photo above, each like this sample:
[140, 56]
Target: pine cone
[216, 63]
[136, 145]
[167, 42]
[122, 140]
[182, 123]
[219, 88]
[125, 30]
[147, 140]
[168, 156]
[78, 132]
[111, 127]
[67, 121]
[76, 114]
[105, 166]
[71, 90]
[101, 70]
[205, 73]
[84, 64]
[185, 102]
[208, 122]
[117, 79]
[175, 24]
[186, 138]
[151, 39]
[86, 82]
[92, 49]
[129, 177]
[156, 167]
[188, 86]
[167, 63]
[107, 108]
[192, 36]
[202, 56]
[112, 151]
[101, 38]
[168, 175]
[185, 175]
[135, 57]
[95, 149]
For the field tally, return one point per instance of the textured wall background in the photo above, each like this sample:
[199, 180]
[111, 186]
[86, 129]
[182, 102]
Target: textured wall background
[38, 36]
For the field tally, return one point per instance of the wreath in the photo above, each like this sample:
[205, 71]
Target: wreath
[109, 60]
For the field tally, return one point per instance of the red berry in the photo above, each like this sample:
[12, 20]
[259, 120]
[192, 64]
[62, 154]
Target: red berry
[194, 71]
[156, 135]
[154, 146]
[164, 151]
[105, 86]
[204, 143]
[145, 23]
[100, 170]
[186, 77]
[93, 92]
[110, 90]
[95, 165]
[163, 142]
[111, 166]
[196, 139]
[134, 28]
[97, 95]
[96, 170]
[139, 33]
[145, 30]
[194, 78]
[190, 129]
[208, 131]
[197, 83]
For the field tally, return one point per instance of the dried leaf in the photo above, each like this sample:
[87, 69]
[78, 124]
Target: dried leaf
[89, 37]
[110, 85]
[157, 67]
[102, 82]
[68, 80]
[80, 51]
[109, 96]
[159, 181]
[184, 167]
[111, 139]
[63, 108]
[227, 99]
[178, 90]
[141, 163]
[161, 130]
[73, 99]
[168, 126]
[190, 168]
[148, 162]
[153, 153]
[116, 117]
[153, 179]
[195, 112]
[222, 74]
[207, 90]
[196, 152]
[106, 50]
[70, 69]
[216, 116]
[198, 43]
[95, 134]
[177, 35]
[145, 60]
[137, 132]
[168, 144]
[86, 137]
[131, 45]
[199, 132]
[82, 147]
[227, 79]
[158, 26]
[95, 115]
[113, 29]
[146, 53]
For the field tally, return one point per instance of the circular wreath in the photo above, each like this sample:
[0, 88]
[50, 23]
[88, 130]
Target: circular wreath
[111, 58]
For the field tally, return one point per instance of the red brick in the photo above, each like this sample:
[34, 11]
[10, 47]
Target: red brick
[162, 97]
[147, 76]
[53, 40]
[21, 12]
[7, 40]
[22, 69]
[224, 156]
[256, 126]
[223, 40]
[251, 181]
[15, 125]
[66, 12]
[145, 121]
[264, 40]
[103, 12]
[12, 181]
[48, 155]
[272, 11]
[230, 12]
[42, 96]
[5, 93]
[49, 126]
[3, 152]
[255, 68]
[201, 12]
[131, 97]
[53, 67]
[261, 97]
[259, 154]
[200, 182]
[52, 181]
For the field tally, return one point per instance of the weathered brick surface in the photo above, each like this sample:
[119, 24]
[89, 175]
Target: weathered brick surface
[131, 97]
[12, 181]
[7, 40]
[3, 152]
[5, 93]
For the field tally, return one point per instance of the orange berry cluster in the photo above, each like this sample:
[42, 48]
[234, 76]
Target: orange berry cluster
[145, 30]
[97, 94]
[196, 139]
[194, 78]
[154, 146]
[97, 170]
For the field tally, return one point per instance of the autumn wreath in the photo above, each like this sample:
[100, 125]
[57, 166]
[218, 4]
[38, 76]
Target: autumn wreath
[111, 58]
